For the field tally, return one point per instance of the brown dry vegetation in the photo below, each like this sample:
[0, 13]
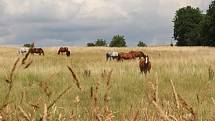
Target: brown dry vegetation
[84, 86]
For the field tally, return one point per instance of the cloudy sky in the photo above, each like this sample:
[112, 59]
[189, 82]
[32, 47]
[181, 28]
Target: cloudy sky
[76, 22]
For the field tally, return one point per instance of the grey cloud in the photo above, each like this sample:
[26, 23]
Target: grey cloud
[76, 22]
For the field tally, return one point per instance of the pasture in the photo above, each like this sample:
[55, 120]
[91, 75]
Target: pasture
[123, 94]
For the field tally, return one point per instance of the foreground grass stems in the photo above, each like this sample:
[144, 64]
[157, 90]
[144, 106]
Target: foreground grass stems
[10, 82]
[26, 102]
[161, 112]
[27, 65]
[45, 113]
[27, 54]
[75, 77]
[67, 89]
[59, 96]
[106, 96]
[25, 115]
[101, 113]
[175, 95]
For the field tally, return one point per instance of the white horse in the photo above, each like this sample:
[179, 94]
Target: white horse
[111, 55]
[23, 50]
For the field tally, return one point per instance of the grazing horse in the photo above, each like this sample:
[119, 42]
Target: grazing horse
[37, 51]
[23, 50]
[125, 56]
[63, 50]
[145, 65]
[111, 55]
[138, 54]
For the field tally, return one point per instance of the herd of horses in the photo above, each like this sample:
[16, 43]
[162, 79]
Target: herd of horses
[144, 63]
[40, 51]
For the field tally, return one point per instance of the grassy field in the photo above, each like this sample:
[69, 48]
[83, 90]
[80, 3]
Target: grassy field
[121, 94]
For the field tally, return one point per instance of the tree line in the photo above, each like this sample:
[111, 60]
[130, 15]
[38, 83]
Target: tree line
[192, 27]
[117, 41]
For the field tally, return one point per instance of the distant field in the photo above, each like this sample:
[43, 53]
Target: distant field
[132, 96]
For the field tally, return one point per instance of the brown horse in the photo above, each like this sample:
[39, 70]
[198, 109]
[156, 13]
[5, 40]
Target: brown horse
[63, 50]
[138, 54]
[125, 56]
[145, 65]
[37, 51]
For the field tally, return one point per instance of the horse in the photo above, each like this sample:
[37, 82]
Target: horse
[111, 55]
[63, 50]
[125, 56]
[145, 65]
[23, 50]
[138, 54]
[37, 51]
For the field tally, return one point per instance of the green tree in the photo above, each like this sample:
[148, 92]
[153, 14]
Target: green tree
[118, 41]
[90, 44]
[100, 42]
[187, 29]
[27, 45]
[208, 26]
[141, 44]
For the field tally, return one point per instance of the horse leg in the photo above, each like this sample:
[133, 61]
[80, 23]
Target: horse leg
[141, 71]
[145, 72]
[113, 58]
[117, 58]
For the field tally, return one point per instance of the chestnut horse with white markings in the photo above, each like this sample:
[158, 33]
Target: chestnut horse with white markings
[145, 65]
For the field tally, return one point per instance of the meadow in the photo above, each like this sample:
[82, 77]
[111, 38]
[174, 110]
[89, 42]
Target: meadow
[85, 86]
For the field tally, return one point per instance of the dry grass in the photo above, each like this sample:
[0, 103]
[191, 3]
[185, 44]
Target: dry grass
[41, 87]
